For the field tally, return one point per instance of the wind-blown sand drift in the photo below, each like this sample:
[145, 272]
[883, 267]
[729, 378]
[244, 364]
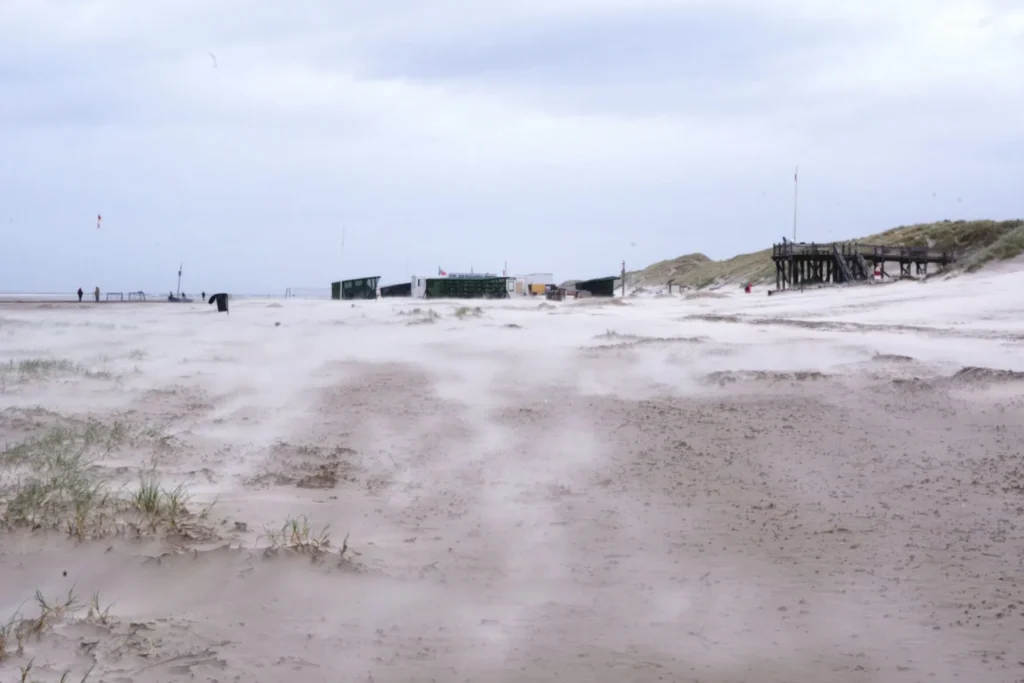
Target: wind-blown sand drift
[518, 493]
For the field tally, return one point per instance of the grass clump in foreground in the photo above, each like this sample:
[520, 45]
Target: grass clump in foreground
[18, 630]
[421, 316]
[466, 311]
[37, 367]
[296, 536]
[51, 482]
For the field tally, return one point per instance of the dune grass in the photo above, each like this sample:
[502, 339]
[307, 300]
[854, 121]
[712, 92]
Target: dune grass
[51, 481]
[39, 369]
[1008, 246]
[43, 366]
[468, 311]
[296, 536]
[421, 316]
[979, 242]
[19, 630]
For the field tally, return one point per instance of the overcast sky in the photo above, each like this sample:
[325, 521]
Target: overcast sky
[554, 134]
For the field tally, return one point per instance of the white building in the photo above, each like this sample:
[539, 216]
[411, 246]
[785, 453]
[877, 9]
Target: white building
[419, 286]
[523, 283]
[540, 279]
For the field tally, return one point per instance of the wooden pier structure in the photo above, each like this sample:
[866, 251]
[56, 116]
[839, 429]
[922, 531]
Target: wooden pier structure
[800, 263]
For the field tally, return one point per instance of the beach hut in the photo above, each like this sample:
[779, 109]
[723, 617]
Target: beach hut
[399, 290]
[358, 288]
[602, 286]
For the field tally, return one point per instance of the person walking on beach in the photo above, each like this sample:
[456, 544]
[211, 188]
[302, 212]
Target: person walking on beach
[96, 293]
[80, 293]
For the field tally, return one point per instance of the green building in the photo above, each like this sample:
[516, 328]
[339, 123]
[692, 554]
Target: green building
[602, 286]
[466, 288]
[359, 288]
[401, 289]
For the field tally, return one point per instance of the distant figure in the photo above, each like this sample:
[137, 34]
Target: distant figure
[203, 295]
[96, 293]
[222, 302]
[80, 293]
[748, 288]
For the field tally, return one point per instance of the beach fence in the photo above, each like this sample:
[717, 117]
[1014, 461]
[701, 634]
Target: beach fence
[137, 296]
[140, 296]
[307, 293]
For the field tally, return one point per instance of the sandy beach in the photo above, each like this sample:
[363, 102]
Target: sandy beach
[816, 486]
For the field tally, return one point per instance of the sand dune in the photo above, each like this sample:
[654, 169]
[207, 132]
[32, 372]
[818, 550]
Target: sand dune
[810, 487]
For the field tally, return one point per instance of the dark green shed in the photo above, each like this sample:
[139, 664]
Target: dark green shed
[359, 288]
[401, 289]
[602, 286]
[467, 288]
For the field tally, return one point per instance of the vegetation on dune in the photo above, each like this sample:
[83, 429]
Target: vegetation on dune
[467, 311]
[297, 535]
[968, 236]
[42, 366]
[36, 369]
[21, 630]
[1007, 246]
[980, 242]
[53, 481]
[56, 481]
[698, 271]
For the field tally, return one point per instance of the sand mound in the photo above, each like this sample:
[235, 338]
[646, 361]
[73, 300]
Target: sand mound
[308, 467]
[845, 326]
[603, 301]
[979, 375]
[630, 341]
[468, 312]
[705, 295]
[274, 305]
[733, 376]
[892, 358]
[421, 316]
[913, 384]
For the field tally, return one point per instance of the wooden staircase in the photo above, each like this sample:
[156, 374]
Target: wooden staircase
[846, 275]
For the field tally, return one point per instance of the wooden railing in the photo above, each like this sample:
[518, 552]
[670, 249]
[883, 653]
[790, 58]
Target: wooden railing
[870, 252]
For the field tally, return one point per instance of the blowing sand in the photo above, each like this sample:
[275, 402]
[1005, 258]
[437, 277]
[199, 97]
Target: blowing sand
[811, 487]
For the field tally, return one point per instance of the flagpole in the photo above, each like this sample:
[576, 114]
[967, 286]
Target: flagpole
[796, 195]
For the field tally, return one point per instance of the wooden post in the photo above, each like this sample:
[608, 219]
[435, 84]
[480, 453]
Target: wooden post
[796, 194]
[623, 279]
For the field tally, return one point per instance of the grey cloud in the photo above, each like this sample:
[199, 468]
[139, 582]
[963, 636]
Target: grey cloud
[695, 43]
